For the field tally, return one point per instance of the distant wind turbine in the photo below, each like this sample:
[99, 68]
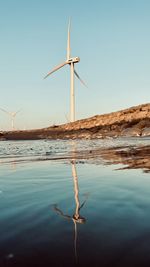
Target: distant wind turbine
[12, 115]
[71, 61]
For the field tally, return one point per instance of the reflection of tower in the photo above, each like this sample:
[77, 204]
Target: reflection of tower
[76, 190]
[12, 115]
[76, 217]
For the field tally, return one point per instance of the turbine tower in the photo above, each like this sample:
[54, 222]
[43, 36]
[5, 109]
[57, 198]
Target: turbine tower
[12, 115]
[70, 61]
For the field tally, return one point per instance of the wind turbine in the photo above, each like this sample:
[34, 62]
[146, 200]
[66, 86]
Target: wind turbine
[70, 61]
[12, 115]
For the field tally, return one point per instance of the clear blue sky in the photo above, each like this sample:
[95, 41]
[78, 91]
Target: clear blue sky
[112, 39]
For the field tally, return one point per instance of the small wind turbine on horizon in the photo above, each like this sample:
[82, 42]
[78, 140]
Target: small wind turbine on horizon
[71, 61]
[12, 115]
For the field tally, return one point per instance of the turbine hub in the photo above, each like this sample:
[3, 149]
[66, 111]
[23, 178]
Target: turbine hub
[73, 60]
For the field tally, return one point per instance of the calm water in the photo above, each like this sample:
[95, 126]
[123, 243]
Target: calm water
[60, 212]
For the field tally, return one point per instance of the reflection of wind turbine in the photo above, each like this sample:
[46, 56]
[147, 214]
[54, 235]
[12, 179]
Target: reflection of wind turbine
[71, 61]
[13, 115]
[76, 218]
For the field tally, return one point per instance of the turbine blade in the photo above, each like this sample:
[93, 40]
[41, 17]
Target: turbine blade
[55, 69]
[4, 110]
[66, 116]
[79, 78]
[68, 41]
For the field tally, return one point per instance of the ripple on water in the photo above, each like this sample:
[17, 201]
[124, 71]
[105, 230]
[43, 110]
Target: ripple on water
[26, 151]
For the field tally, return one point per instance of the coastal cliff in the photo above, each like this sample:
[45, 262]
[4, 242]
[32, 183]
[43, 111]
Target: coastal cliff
[134, 121]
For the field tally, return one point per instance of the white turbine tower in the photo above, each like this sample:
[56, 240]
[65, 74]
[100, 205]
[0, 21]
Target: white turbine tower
[12, 115]
[71, 61]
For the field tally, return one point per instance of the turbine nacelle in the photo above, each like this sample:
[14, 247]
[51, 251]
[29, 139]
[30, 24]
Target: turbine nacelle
[73, 60]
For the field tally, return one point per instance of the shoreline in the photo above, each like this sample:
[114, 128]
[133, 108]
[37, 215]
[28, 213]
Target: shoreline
[130, 155]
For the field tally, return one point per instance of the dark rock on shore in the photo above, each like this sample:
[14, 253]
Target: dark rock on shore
[134, 121]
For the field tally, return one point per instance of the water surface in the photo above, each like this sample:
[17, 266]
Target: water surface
[58, 210]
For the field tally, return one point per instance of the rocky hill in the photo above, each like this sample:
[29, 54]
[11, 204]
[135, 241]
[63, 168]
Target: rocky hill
[134, 121]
